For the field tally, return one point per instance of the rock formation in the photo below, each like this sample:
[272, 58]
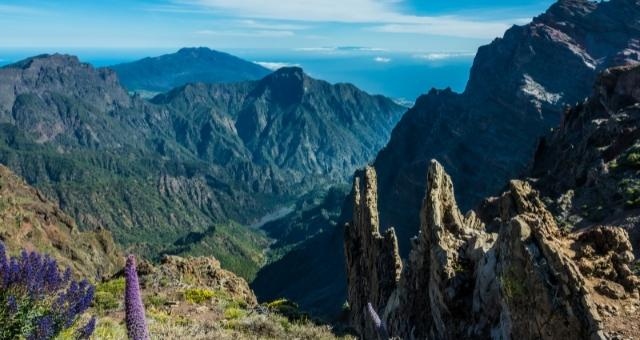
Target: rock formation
[513, 269]
[373, 260]
[461, 281]
[203, 272]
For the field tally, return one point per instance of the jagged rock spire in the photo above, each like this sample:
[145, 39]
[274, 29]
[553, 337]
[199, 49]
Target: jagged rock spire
[373, 263]
[461, 281]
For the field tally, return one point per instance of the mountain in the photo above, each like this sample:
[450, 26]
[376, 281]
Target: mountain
[185, 172]
[519, 86]
[512, 268]
[188, 65]
[29, 221]
[307, 128]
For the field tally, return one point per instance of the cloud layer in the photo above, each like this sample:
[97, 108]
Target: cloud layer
[379, 15]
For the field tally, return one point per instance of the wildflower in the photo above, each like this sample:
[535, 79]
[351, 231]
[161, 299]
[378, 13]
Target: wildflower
[37, 300]
[136, 323]
[378, 325]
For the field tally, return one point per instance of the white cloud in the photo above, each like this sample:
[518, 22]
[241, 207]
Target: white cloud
[240, 33]
[275, 65]
[443, 55]
[260, 25]
[382, 60]
[384, 14]
[335, 49]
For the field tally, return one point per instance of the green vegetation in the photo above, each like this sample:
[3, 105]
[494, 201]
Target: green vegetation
[198, 295]
[512, 286]
[109, 295]
[287, 308]
[630, 189]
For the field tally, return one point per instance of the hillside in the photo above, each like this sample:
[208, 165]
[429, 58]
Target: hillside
[29, 221]
[184, 173]
[188, 65]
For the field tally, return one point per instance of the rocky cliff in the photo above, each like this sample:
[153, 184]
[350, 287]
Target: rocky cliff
[558, 262]
[517, 90]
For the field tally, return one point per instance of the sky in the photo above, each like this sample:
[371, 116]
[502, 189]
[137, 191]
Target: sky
[432, 26]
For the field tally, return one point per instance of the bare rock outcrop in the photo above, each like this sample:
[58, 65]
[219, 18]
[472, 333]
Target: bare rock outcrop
[373, 262]
[203, 272]
[513, 273]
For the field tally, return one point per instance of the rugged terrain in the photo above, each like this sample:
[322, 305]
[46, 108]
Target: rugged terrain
[518, 89]
[182, 173]
[188, 65]
[511, 268]
[196, 298]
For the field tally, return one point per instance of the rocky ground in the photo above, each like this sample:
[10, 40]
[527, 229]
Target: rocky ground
[195, 298]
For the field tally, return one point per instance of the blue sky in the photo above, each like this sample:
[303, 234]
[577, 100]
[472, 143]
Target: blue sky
[392, 25]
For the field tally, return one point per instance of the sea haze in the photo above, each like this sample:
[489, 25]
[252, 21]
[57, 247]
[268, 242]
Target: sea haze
[400, 75]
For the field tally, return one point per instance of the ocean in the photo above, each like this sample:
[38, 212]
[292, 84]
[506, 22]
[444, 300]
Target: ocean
[400, 75]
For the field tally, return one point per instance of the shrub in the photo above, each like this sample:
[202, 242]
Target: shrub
[287, 308]
[198, 295]
[233, 313]
[109, 295]
[39, 301]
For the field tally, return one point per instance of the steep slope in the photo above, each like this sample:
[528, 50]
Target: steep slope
[29, 221]
[589, 167]
[512, 268]
[518, 87]
[188, 65]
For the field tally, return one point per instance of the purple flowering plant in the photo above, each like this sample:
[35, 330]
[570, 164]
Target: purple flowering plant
[378, 324]
[134, 308]
[38, 300]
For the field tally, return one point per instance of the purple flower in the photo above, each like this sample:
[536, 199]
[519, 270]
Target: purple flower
[85, 331]
[136, 322]
[378, 325]
[37, 300]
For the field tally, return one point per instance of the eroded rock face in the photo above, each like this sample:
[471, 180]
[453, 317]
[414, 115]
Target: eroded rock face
[525, 280]
[373, 263]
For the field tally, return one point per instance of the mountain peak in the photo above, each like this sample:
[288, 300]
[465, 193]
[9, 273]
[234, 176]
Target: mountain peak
[292, 72]
[197, 51]
[44, 60]
[187, 65]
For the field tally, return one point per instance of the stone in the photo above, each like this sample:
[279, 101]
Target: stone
[610, 289]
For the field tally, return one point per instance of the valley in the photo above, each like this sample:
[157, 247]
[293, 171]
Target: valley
[253, 200]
